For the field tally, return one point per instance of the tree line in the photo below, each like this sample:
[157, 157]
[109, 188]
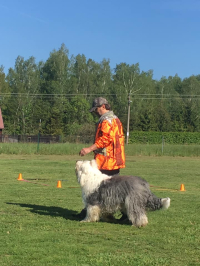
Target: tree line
[55, 96]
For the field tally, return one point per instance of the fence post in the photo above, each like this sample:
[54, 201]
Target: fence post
[39, 136]
[162, 144]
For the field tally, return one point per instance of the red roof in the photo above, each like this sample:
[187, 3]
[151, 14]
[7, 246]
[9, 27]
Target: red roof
[1, 120]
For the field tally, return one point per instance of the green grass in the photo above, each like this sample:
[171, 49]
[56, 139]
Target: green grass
[38, 226]
[46, 149]
[73, 149]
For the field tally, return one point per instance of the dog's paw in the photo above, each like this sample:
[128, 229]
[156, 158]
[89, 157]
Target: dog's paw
[85, 221]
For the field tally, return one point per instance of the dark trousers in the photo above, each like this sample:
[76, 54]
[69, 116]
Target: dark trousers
[110, 172]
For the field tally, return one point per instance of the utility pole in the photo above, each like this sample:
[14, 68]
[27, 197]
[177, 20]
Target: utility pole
[128, 119]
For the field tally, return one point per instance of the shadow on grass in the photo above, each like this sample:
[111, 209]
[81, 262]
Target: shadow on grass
[59, 212]
[49, 210]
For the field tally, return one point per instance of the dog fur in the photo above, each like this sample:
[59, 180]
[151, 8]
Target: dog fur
[103, 195]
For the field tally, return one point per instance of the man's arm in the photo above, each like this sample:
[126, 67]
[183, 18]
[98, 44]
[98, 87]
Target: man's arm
[103, 141]
[85, 151]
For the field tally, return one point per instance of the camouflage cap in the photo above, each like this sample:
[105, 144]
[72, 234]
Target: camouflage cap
[97, 103]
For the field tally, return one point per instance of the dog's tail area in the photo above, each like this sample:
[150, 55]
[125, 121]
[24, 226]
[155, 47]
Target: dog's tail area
[165, 203]
[155, 203]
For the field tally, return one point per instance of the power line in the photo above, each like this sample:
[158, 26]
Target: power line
[145, 96]
[95, 94]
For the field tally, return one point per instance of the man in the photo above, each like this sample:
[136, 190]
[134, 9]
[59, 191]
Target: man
[108, 146]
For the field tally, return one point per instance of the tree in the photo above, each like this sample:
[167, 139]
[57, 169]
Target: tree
[55, 72]
[4, 97]
[4, 89]
[55, 75]
[125, 80]
[24, 85]
[190, 95]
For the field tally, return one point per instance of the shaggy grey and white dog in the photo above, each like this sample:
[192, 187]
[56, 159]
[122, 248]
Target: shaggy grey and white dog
[103, 195]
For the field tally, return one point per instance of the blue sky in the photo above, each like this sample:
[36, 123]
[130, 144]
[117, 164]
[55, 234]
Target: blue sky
[162, 35]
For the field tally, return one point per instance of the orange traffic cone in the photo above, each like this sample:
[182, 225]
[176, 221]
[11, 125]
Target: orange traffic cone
[20, 177]
[59, 184]
[182, 188]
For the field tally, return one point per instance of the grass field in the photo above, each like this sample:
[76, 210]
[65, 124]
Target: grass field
[192, 150]
[38, 226]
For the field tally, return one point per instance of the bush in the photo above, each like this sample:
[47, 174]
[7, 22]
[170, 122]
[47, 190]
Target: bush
[144, 137]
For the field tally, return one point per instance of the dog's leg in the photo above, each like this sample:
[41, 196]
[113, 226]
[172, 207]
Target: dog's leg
[136, 213]
[141, 220]
[138, 219]
[93, 214]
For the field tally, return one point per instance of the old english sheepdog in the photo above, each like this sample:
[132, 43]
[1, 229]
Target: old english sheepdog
[104, 195]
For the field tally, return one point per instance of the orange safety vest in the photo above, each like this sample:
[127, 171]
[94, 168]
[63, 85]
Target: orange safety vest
[109, 140]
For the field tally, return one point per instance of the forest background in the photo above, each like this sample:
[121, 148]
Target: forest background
[55, 96]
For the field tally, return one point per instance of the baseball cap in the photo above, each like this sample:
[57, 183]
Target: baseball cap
[97, 103]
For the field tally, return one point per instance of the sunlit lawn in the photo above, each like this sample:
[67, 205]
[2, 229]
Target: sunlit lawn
[38, 226]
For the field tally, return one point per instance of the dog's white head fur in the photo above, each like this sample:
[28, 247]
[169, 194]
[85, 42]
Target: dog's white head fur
[89, 176]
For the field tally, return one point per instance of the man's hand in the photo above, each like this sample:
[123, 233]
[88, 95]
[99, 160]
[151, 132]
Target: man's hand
[84, 151]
